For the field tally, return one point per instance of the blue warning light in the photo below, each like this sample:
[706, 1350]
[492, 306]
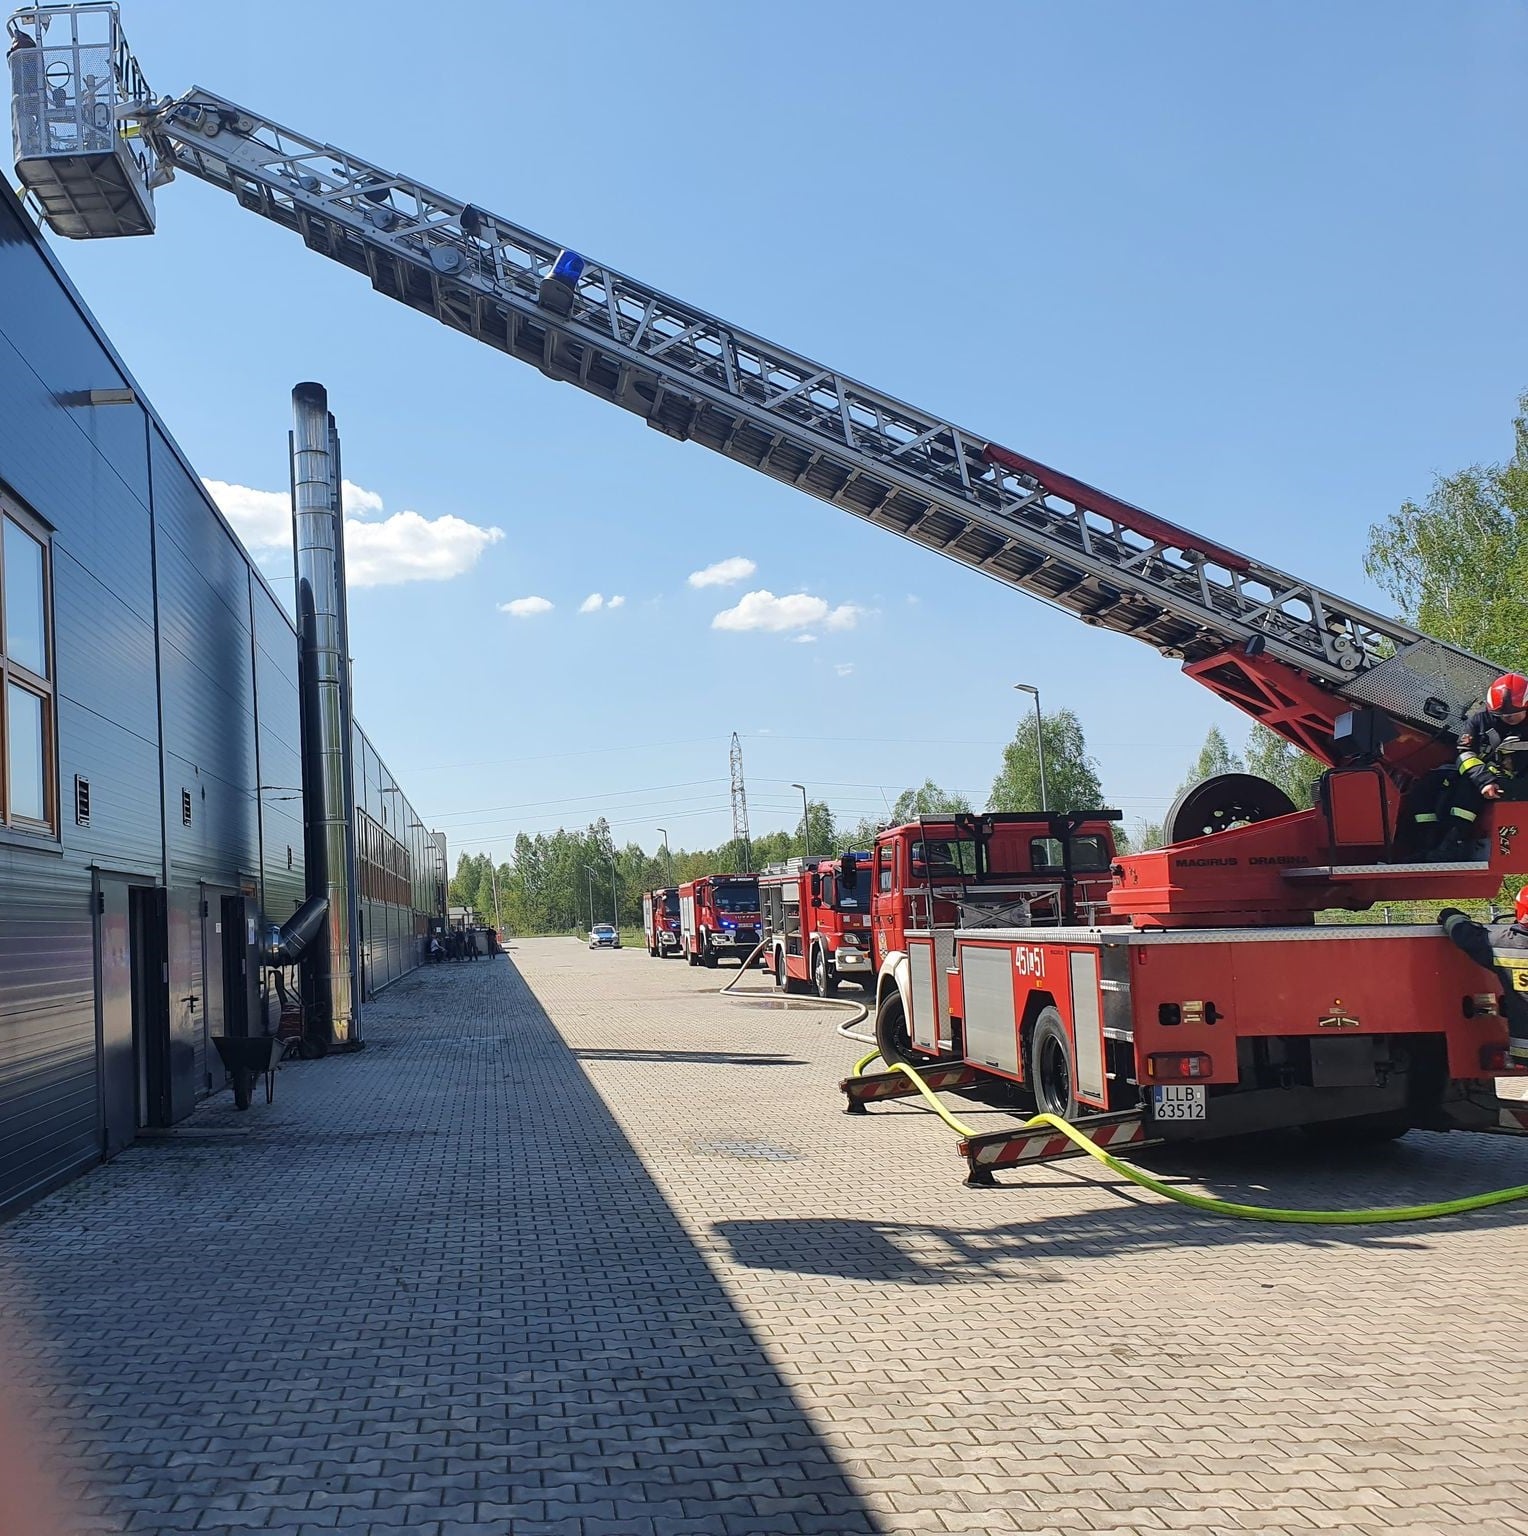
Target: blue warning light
[568, 268]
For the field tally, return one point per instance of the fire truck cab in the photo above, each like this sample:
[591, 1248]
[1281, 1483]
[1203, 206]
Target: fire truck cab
[660, 921]
[719, 915]
[817, 920]
[938, 878]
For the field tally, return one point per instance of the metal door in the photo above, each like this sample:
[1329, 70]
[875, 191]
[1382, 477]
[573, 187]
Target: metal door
[213, 994]
[116, 1060]
[151, 1003]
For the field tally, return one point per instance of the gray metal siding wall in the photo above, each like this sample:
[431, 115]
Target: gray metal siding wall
[206, 660]
[84, 470]
[390, 947]
[125, 509]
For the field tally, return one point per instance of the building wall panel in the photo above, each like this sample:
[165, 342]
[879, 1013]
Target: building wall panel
[175, 668]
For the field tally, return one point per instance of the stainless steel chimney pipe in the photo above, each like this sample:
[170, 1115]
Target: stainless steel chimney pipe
[326, 745]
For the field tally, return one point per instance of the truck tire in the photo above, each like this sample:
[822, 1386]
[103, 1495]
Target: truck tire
[652, 949]
[783, 978]
[1050, 1067]
[824, 977]
[691, 957]
[892, 1038]
[707, 954]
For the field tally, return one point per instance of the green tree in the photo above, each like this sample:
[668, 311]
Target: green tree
[1144, 836]
[1215, 757]
[860, 838]
[823, 830]
[1270, 757]
[927, 800]
[1457, 565]
[1071, 775]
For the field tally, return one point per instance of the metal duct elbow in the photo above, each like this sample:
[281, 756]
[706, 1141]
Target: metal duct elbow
[287, 944]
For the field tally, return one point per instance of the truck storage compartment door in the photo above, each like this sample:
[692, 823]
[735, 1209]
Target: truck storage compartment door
[991, 1025]
[923, 1027]
[1088, 1027]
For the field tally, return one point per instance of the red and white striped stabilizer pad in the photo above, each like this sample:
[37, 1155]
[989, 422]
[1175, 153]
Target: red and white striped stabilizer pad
[898, 1085]
[1003, 1149]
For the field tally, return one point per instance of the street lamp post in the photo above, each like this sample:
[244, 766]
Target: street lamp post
[615, 906]
[668, 858]
[806, 822]
[590, 874]
[1039, 738]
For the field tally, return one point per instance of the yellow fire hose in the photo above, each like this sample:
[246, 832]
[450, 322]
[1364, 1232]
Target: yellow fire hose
[1207, 1202]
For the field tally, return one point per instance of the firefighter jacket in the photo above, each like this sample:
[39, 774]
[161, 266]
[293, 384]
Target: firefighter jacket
[1481, 759]
[1501, 948]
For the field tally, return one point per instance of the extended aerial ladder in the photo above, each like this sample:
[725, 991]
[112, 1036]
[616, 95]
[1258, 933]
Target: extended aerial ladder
[93, 145]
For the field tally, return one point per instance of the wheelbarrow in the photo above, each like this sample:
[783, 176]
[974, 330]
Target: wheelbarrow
[245, 1058]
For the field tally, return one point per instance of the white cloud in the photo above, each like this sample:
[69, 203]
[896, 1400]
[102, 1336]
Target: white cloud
[525, 607]
[408, 547]
[357, 501]
[404, 547]
[913, 599]
[843, 668]
[724, 572]
[593, 603]
[616, 602]
[763, 610]
[263, 519]
[805, 639]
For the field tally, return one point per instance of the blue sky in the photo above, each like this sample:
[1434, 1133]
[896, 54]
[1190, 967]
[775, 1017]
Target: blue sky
[1257, 268]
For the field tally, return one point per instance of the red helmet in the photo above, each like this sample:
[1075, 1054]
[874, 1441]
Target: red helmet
[1508, 693]
[1522, 905]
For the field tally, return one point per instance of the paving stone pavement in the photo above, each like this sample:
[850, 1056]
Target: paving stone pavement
[577, 1247]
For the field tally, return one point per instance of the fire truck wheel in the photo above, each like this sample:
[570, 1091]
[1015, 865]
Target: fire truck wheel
[783, 978]
[692, 957]
[824, 977]
[891, 1037]
[1050, 1066]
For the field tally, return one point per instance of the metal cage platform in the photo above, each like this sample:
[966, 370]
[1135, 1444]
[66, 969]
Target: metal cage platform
[80, 148]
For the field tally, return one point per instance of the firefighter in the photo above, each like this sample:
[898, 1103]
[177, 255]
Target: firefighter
[1485, 768]
[1502, 948]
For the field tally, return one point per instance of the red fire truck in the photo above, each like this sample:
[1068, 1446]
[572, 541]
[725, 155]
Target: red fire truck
[817, 920]
[1185, 992]
[660, 921]
[719, 915]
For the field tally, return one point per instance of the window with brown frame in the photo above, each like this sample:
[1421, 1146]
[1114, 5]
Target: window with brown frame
[28, 720]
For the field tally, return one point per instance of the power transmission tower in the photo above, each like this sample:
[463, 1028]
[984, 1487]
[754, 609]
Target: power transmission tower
[740, 806]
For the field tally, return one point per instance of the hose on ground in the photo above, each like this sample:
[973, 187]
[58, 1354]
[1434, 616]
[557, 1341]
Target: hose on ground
[1216, 1207]
[861, 1008]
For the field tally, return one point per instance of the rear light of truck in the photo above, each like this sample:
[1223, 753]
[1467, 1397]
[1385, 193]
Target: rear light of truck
[1495, 1060]
[1177, 1066]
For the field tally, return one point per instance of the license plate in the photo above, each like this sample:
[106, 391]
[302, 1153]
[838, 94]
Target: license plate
[1177, 1101]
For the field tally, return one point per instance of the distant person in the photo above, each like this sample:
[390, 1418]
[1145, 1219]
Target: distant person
[470, 939]
[436, 953]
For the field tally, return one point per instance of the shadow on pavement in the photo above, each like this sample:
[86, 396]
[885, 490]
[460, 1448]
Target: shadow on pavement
[706, 1058]
[434, 1282]
[1278, 1171]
